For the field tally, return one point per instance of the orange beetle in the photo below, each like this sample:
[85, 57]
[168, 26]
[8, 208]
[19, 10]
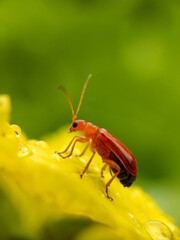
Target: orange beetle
[113, 152]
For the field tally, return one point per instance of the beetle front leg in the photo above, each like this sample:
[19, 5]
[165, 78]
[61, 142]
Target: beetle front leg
[79, 139]
[68, 146]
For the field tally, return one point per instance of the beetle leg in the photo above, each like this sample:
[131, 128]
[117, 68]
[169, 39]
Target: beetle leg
[114, 165]
[86, 167]
[79, 139]
[68, 146]
[110, 170]
[103, 168]
[80, 155]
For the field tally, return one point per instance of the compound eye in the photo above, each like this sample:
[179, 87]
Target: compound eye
[74, 124]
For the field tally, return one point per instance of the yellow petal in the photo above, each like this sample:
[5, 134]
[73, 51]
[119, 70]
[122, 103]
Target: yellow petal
[42, 188]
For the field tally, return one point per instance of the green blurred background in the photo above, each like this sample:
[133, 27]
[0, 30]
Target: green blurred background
[132, 50]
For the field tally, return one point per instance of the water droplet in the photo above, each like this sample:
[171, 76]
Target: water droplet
[158, 230]
[23, 150]
[42, 144]
[17, 130]
[39, 144]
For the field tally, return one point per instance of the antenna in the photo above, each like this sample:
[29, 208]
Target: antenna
[82, 95]
[80, 101]
[68, 98]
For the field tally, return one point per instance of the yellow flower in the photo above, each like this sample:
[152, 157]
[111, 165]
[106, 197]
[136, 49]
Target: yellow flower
[43, 197]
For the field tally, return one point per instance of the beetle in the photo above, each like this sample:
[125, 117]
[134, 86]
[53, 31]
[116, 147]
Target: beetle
[114, 153]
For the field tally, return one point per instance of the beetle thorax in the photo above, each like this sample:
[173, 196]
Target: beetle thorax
[90, 130]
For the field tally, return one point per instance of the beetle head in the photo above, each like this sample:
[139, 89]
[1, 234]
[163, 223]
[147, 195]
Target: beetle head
[77, 125]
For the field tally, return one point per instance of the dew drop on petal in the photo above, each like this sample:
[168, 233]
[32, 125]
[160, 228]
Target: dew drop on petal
[42, 144]
[17, 130]
[23, 150]
[158, 230]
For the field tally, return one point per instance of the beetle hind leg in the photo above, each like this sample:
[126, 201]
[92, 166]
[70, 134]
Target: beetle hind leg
[103, 169]
[113, 165]
[111, 171]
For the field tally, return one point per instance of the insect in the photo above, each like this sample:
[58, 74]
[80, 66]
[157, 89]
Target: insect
[115, 154]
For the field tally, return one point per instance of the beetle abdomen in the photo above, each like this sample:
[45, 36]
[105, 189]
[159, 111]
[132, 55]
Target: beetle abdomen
[124, 176]
[127, 182]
